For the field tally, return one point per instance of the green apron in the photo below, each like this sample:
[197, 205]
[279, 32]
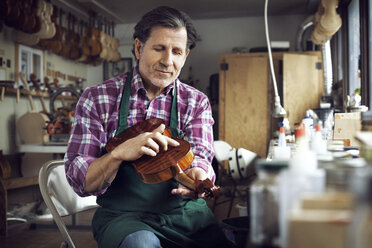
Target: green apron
[130, 205]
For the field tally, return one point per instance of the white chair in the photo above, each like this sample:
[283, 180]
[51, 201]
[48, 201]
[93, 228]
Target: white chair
[240, 169]
[60, 198]
[222, 150]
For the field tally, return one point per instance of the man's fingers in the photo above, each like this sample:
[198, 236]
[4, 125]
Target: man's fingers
[160, 128]
[188, 193]
[171, 141]
[181, 191]
[150, 143]
[148, 151]
[161, 140]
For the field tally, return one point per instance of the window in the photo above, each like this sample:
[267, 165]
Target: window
[368, 68]
[354, 47]
[30, 61]
[355, 41]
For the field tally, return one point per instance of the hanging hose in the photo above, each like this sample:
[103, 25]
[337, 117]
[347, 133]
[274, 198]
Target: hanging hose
[279, 111]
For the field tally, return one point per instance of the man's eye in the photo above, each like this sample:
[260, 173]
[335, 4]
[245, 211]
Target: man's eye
[177, 52]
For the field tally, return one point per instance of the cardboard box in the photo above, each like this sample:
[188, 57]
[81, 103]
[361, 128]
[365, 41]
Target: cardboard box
[346, 125]
[318, 228]
[321, 222]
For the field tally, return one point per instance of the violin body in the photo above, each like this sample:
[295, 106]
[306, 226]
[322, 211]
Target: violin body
[75, 51]
[13, 13]
[55, 43]
[92, 46]
[166, 164]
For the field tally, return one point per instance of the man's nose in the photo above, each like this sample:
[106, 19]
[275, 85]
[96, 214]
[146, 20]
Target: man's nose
[166, 59]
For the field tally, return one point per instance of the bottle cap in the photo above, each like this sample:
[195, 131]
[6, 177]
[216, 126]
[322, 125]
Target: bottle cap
[274, 165]
[300, 131]
[318, 128]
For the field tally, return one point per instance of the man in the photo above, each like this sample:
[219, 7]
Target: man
[132, 213]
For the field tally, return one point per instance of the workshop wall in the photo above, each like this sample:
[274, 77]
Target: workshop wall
[219, 36]
[54, 66]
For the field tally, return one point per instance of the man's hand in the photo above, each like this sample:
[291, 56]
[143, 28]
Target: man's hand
[148, 143]
[194, 173]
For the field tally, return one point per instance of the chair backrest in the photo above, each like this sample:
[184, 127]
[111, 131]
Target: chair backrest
[59, 196]
[240, 160]
[222, 150]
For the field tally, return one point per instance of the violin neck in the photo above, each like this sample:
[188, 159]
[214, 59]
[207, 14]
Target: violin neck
[199, 186]
[185, 180]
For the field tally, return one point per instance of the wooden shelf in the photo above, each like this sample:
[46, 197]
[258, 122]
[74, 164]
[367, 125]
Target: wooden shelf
[7, 183]
[40, 148]
[20, 182]
[13, 91]
[26, 92]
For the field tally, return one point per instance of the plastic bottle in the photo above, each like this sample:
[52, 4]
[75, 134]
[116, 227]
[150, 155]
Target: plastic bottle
[286, 125]
[264, 204]
[318, 144]
[282, 151]
[309, 126]
[282, 142]
[302, 176]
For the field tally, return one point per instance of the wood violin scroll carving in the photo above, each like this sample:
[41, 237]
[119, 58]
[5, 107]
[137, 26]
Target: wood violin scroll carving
[326, 21]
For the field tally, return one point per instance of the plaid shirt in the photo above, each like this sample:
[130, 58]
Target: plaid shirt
[96, 121]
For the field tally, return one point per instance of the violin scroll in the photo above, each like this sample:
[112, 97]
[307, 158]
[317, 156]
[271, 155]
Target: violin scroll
[206, 186]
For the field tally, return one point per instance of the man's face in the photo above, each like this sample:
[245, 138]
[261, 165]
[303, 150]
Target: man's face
[162, 56]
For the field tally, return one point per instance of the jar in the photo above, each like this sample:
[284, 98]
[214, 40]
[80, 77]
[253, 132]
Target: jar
[340, 172]
[360, 228]
[264, 204]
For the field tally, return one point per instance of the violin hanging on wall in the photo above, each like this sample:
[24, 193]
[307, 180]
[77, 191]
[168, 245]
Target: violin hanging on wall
[166, 164]
[92, 46]
[75, 51]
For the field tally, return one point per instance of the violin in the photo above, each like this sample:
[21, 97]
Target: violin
[55, 44]
[65, 38]
[35, 82]
[75, 51]
[13, 13]
[166, 164]
[92, 45]
[32, 22]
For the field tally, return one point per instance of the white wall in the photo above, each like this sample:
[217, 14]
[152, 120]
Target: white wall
[11, 110]
[219, 36]
[94, 75]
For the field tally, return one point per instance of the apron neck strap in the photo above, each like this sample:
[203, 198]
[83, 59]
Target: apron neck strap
[174, 113]
[124, 104]
[124, 108]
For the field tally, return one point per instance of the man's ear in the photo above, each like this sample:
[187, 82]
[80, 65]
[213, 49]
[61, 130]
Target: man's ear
[187, 52]
[137, 48]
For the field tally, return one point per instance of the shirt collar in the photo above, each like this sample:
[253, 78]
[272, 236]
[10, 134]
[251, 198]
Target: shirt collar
[137, 84]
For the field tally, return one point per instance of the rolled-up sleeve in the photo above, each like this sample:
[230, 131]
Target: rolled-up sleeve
[85, 144]
[199, 133]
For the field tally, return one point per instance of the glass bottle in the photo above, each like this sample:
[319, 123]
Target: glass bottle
[302, 176]
[264, 204]
[360, 228]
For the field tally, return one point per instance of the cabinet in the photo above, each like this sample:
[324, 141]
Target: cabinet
[246, 95]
